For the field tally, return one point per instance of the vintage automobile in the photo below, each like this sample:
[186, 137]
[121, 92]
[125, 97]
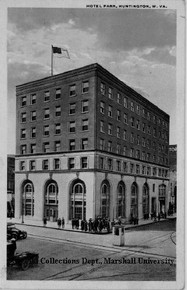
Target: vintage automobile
[15, 233]
[23, 260]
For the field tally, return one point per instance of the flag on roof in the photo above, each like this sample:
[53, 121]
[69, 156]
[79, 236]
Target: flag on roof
[57, 49]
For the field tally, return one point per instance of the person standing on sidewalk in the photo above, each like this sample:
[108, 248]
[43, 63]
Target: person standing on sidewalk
[59, 223]
[63, 223]
[45, 221]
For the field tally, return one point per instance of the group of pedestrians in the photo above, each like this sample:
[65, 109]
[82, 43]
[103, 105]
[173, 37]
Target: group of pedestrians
[92, 225]
[60, 222]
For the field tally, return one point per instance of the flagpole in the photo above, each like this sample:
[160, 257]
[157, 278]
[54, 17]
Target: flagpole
[51, 60]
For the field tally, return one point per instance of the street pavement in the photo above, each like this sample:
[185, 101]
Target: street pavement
[143, 246]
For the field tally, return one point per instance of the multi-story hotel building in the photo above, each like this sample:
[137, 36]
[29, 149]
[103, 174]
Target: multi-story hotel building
[89, 145]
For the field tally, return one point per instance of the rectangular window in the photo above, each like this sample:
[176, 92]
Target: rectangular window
[32, 165]
[138, 154]
[85, 125]
[33, 132]
[125, 118]
[132, 121]
[138, 124]
[132, 152]
[33, 99]
[23, 117]
[46, 113]
[72, 127]
[57, 146]
[33, 116]
[132, 137]
[143, 112]
[153, 187]
[109, 129]
[47, 96]
[45, 164]
[58, 111]
[72, 90]
[103, 89]
[110, 164]
[71, 163]
[72, 108]
[85, 87]
[101, 162]
[118, 149]
[84, 144]
[84, 106]
[110, 93]
[125, 102]
[132, 106]
[118, 98]
[143, 142]
[102, 126]
[118, 165]
[143, 155]
[137, 169]
[46, 147]
[101, 144]
[143, 127]
[56, 163]
[58, 94]
[138, 109]
[138, 140]
[148, 116]
[22, 165]
[154, 119]
[102, 107]
[154, 171]
[154, 132]
[57, 129]
[143, 169]
[125, 150]
[131, 168]
[124, 166]
[84, 162]
[148, 170]
[118, 132]
[72, 145]
[110, 111]
[118, 115]
[23, 149]
[46, 130]
[23, 101]
[33, 148]
[149, 129]
[109, 146]
[124, 134]
[23, 133]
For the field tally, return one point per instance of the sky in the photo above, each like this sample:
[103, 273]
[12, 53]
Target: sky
[137, 46]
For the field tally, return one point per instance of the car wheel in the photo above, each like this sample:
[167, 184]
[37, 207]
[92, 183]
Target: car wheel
[25, 264]
[24, 235]
[35, 260]
[14, 236]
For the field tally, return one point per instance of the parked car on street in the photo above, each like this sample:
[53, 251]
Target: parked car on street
[15, 233]
[23, 260]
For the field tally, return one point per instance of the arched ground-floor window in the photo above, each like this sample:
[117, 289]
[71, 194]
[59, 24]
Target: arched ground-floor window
[145, 201]
[105, 199]
[120, 210]
[77, 209]
[51, 200]
[27, 207]
[134, 200]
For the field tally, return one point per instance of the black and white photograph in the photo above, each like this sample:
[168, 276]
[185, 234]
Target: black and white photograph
[93, 96]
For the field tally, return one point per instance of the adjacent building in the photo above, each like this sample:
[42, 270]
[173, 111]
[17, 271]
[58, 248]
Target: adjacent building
[87, 145]
[10, 184]
[173, 177]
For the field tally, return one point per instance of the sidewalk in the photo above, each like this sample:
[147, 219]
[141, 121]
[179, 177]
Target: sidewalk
[68, 226]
